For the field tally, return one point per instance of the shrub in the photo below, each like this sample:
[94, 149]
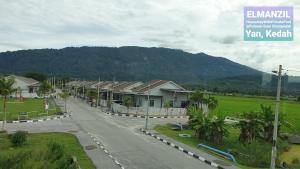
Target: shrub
[296, 161]
[257, 154]
[56, 150]
[19, 138]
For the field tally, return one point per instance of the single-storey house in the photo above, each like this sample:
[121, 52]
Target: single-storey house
[161, 93]
[26, 87]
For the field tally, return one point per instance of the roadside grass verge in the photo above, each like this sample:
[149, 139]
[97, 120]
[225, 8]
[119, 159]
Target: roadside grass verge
[34, 107]
[36, 148]
[255, 155]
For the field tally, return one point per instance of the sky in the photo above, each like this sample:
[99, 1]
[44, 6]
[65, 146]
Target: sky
[214, 27]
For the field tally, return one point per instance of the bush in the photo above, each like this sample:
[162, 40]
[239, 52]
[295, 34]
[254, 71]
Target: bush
[296, 161]
[56, 150]
[19, 138]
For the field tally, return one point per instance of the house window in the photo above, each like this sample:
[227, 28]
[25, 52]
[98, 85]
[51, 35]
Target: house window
[151, 104]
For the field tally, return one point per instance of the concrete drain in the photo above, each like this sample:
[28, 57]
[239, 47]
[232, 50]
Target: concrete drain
[90, 147]
[221, 163]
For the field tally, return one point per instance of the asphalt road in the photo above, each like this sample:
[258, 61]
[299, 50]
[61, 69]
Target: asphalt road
[120, 136]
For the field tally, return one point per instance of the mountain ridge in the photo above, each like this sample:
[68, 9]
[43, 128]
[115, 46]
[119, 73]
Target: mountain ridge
[123, 63]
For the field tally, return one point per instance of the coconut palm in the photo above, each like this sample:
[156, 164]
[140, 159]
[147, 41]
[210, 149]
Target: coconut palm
[6, 88]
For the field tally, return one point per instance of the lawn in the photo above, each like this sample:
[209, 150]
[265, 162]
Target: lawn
[37, 145]
[243, 153]
[34, 107]
[233, 105]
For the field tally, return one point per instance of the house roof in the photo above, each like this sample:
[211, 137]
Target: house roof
[126, 86]
[106, 84]
[148, 86]
[177, 90]
[27, 80]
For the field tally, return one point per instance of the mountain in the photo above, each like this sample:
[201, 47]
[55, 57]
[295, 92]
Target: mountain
[123, 63]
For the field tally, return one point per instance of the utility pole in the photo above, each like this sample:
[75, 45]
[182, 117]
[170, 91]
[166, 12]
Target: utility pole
[112, 95]
[275, 129]
[148, 106]
[98, 94]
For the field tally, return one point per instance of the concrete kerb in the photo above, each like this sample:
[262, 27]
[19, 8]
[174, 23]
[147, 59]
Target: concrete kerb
[39, 120]
[96, 140]
[143, 116]
[183, 150]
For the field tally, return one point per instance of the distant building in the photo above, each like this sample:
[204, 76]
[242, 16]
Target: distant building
[26, 87]
[161, 93]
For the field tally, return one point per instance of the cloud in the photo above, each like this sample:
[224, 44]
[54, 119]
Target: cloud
[214, 27]
[230, 39]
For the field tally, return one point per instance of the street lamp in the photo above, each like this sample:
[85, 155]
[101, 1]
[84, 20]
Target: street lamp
[275, 128]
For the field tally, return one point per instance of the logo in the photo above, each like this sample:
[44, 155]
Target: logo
[265, 23]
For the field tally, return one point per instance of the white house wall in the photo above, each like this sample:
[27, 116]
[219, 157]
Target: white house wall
[168, 96]
[25, 89]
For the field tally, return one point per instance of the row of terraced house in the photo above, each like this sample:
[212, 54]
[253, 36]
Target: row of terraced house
[156, 93]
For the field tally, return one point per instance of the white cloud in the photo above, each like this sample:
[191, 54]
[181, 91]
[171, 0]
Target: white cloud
[214, 27]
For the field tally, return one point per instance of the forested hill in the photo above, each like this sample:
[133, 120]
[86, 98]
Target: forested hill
[123, 63]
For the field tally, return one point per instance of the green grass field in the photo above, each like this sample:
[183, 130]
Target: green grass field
[233, 105]
[36, 143]
[262, 150]
[35, 108]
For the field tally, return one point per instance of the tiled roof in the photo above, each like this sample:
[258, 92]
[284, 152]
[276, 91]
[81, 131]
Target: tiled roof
[148, 86]
[126, 85]
[27, 80]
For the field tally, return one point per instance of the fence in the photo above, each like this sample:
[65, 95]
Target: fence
[117, 108]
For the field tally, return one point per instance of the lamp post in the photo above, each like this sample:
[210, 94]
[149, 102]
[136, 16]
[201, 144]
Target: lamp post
[275, 128]
[147, 114]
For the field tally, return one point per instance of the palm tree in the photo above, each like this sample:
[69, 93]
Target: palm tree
[198, 97]
[210, 129]
[128, 102]
[44, 88]
[217, 129]
[64, 95]
[250, 127]
[212, 103]
[6, 88]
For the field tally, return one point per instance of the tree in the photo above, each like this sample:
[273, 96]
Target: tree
[6, 88]
[250, 127]
[211, 129]
[128, 102]
[91, 94]
[298, 99]
[37, 76]
[167, 105]
[198, 97]
[44, 88]
[212, 103]
[267, 117]
[267, 121]
[64, 95]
